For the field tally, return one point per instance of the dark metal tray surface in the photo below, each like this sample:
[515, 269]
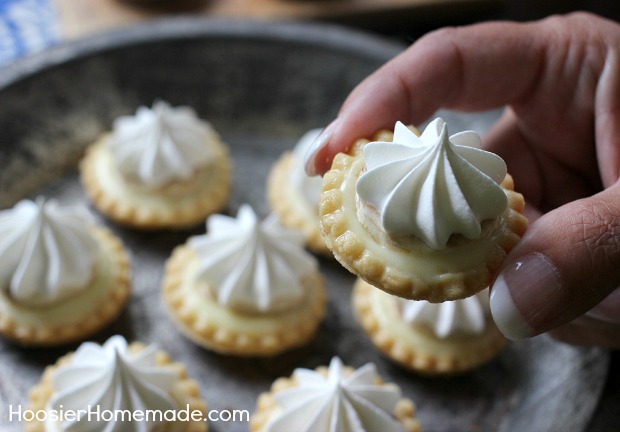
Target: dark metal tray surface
[261, 85]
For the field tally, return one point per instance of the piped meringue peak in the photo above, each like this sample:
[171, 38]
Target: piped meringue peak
[46, 252]
[465, 316]
[308, 186]
[252, 266]
[433, 185]
[162, 144]
[340, 401]
[110, 377]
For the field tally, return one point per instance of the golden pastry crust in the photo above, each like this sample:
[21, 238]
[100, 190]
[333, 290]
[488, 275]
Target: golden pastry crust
[177, 205]
[220, 329]
[412, 270]
[417, 347]
[292, 209]
[74, 318]
[185, 392]
[267, 407]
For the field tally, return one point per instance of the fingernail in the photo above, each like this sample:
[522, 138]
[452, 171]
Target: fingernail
[315, 148]
[507, 317]
[523, 296]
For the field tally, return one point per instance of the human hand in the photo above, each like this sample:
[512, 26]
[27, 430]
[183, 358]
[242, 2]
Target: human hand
[560, 137]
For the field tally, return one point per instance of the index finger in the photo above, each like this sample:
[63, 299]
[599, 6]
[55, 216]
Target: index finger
[477, 67]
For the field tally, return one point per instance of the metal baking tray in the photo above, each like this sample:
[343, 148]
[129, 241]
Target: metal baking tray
[261, 85]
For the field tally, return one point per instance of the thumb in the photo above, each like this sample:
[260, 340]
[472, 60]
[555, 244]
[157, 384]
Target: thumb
[567, 262]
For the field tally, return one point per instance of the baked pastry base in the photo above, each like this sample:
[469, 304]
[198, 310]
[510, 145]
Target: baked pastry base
[185, 392]
[76, 317]
[409, 268]
[267, 408]
[417, 347]
[223, 330]
[177, 205]
[293, 210]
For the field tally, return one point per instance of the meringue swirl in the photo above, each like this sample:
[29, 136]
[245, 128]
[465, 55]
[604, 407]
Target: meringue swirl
[110, 378]
[46, 252]
[338, 402]
[161, 145]
[309, 187]
[432, 186]
[465, 316]
[252, 266]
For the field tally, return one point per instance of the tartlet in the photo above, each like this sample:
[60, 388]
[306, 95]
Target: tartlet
[107, 383]
[62, 277]
[383, 222]
[446, 338]
[245, 288]
[162, 168]
[294, 196]
[334, 398]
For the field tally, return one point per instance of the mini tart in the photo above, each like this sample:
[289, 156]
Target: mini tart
[417, 347]
[292, 209]
[177, 205]
[267, 407]
[410, 269]
[76, 317]
[185, 392]
[215, 327]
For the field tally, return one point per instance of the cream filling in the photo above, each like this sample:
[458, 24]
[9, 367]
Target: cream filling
[212, 313]
[292, 207]
[418, 336]
[307, 211]
[178, 193]
[71, 309]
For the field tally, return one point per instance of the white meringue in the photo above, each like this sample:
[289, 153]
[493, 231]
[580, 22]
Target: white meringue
[160, 145]
[252, 266]
[337, 402]
[432, 186]
[465, 316]
[46, 252]
[108, 379]
[309, 187]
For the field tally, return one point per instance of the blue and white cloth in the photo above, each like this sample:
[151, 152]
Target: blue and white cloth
[26, 26]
